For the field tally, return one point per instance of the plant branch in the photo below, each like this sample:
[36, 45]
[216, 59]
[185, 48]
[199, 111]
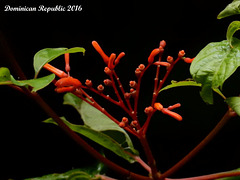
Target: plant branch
[212, 176]
[201, 145]
[151, 161]
[118, 169]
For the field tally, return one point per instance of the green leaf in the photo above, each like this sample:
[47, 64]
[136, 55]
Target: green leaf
[234, 103]
[6, 79]
[231, 9]
[48, 54]
[5, 76]
[214, 64]
[98, 137]
[75, 174]
[232, 28]
[180, 84]
[96, 120]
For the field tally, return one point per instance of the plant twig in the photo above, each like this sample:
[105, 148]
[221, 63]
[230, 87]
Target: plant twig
[118, 169]
[201, 145]
[212, 176]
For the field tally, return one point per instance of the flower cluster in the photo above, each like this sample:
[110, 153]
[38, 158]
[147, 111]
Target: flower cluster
[66, 83]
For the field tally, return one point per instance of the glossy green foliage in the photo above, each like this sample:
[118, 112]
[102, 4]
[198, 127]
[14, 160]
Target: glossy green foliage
[231, 9]
[180, 84]
[232, 28]
[234, 103]
[214, 64]
[48, 54]
[7, 79]
[99, 128]
[75, 174]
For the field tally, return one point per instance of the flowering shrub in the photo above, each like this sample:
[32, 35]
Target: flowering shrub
[209, 69]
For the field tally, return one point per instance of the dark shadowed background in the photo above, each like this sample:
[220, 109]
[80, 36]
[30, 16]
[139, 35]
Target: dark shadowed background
[31, 148]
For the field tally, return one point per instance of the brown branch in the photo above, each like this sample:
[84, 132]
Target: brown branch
[201, 145]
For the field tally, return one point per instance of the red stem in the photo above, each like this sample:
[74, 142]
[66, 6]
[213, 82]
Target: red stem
[212, 176]
[201, 145]
[151, 161]
[118, 169]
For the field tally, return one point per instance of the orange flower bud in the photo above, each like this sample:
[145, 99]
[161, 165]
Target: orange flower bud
[162, 63]
[108, 71]
[100, 51]
[125, 120]
[153, 54]
[100, 88]
[67, 65]
[122, 124]
[141, 67]
[88, 83]
[172, 114]
[162, 43]
[119, 57]
[188, 60]
[158, 106]
[181, 53]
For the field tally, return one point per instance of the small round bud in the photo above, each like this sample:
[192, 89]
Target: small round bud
[162, 43]
[181, 53]
[134, 123]
[127, 95]
[122, 124]
[100, 88]
[141, 67]
[170, 59]
[107, 71]
[125, 120]
[138, 72]
[88, 83]
[148, 110]
[133, 84]
[107, 82]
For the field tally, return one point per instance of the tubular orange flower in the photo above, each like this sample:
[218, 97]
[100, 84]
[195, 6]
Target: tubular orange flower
[153, 54]
[158, 106]
[111, 64]
[67, 65]
[54, 70]
[100, 51]
[119, 57]
[172, 114]
[188, 60]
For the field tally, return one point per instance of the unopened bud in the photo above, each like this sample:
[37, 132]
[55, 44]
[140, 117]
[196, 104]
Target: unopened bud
[127, 95]
[158, 106]
[170, 59]
[107, 82]
[181, 53]
[107, 71]
[148, 110]
[188, 60]
[88, 83]
[125, 120]
[138, 72]
[122, 124]
[133, 84]
[152, 55]
[162, 43]
[141, 67]
[100, 88]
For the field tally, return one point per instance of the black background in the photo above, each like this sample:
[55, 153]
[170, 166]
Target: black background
[30, 148]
